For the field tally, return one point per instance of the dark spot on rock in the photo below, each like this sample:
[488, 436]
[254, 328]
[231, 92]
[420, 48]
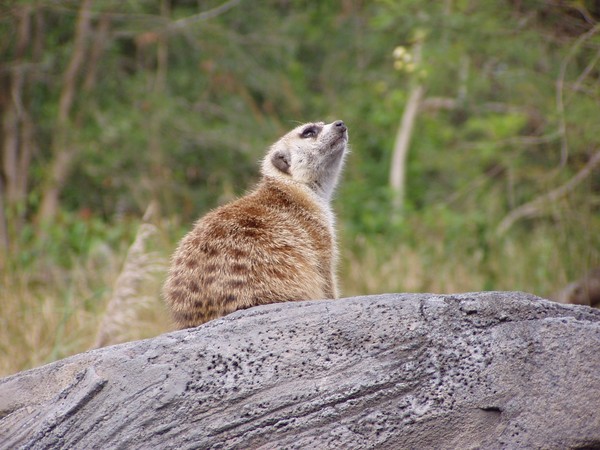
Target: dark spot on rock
[493, 409]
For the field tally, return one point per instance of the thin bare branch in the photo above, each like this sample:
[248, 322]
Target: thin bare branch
[96, 51]
[77, 57]
[560, 82]
[15, 111]
[577, 85]
[156, 23]
[205, 15]
[162, 53]
[517, 140]
[474, 185]
[536, 206]
[435, 104]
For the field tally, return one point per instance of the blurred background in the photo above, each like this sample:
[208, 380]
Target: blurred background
[474, 129]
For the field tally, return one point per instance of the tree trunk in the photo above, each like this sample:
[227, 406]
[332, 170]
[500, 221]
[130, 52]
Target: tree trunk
[402, 144]
[17, 129]
[63, 150]
[478, 370]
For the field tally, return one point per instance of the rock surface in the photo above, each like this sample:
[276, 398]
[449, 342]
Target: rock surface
[480, 370]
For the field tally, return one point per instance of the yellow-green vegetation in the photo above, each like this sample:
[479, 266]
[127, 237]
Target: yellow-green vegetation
[108, 107]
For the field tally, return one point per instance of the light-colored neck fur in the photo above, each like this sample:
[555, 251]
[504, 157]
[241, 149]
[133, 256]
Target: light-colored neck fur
[321, 201]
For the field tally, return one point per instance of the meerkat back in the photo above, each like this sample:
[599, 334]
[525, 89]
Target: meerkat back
[275, 244]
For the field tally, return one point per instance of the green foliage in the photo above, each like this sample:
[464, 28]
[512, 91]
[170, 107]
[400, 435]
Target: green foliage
[67, 240]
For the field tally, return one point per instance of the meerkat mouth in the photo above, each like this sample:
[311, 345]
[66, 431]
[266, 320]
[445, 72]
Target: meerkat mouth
[342, 137]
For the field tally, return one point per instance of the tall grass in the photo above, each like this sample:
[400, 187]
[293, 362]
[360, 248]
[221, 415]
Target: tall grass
[536, 262]
[51, 305]
[445, 250]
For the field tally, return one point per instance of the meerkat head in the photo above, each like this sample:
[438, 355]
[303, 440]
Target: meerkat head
[311, 154]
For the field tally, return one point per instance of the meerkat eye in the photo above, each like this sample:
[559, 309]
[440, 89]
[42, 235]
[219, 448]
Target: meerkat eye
[309, 132]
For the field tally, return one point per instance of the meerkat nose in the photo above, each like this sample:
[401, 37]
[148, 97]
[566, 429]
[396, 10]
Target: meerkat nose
[340, 125]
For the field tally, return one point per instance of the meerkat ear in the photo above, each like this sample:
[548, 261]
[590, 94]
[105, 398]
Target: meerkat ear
[281, 159]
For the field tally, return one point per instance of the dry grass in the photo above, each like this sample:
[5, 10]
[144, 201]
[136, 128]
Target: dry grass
[402, 269]
[541, 262]
[47, 313]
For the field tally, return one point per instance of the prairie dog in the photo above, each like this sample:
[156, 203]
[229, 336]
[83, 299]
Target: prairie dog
[275, 244]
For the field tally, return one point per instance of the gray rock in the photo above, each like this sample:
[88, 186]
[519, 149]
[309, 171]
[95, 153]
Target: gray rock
[481, 370]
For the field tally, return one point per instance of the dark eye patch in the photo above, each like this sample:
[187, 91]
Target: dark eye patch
[310, 131]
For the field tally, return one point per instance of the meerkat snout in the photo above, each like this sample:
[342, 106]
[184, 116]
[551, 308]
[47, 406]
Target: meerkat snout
[275, 244]
[340, 125]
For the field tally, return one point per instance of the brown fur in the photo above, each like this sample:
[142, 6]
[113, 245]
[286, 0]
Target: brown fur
[275, 244]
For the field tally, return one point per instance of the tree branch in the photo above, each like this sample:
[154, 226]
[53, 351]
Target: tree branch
[16, 128]
[560, 105]
[577, 85]
[205, 15]
[534, 207]
[77, 58]
[96, 51]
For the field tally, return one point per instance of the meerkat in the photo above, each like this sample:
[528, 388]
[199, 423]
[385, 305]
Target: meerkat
[275, 244]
